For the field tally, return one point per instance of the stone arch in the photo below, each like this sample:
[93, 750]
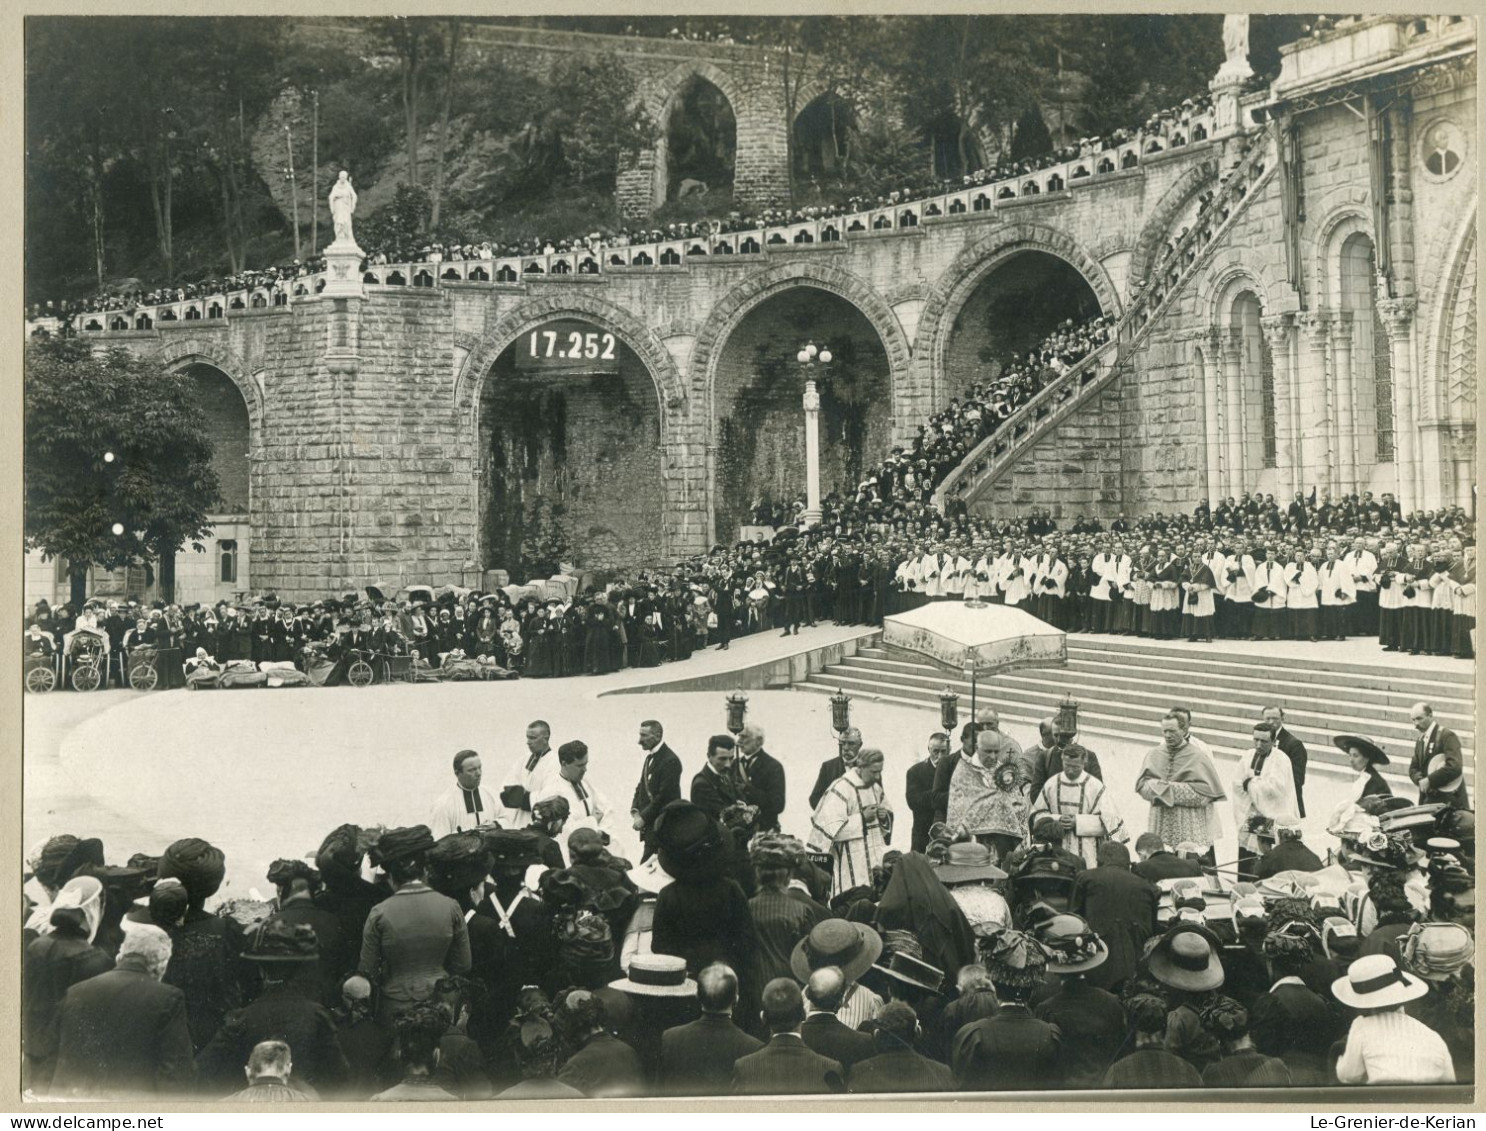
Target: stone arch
[1225, 277]
[979, 259]
[659, 98]
[181, 351]
[683, 466]
[1340, 222]
[1171, 205]
[534, 311]
[1453, 334]
[735, 305]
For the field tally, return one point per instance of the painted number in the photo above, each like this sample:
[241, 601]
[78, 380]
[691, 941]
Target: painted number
[608, 354]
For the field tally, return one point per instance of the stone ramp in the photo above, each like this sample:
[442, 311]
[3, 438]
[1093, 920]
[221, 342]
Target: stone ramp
[1125, 685]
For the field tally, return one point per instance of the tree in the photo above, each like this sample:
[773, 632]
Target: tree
[454, 31]
[158, 488]
[1032, 137]
[412, 39]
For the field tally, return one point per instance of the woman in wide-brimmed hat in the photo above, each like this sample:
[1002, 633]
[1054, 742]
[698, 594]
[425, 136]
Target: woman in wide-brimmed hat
[1364, 757]
[1385, 1045]
[415, 936]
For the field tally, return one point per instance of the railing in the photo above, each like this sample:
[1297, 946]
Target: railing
[969, 201]
[1032, 420]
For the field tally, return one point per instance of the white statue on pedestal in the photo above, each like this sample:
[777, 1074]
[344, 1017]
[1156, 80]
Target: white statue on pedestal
[342, 205]
[1235, 66]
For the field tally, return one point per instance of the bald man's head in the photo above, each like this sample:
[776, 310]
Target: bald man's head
[826, 989]
[717, 989]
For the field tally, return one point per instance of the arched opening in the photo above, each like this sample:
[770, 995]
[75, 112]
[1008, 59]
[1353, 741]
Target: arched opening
[701, 140]
[1256, 383]
[1018, 304]
[570, 455]
[222, 571]
[824, 132]
[954, 150]
[1372, 363]
[759, 419]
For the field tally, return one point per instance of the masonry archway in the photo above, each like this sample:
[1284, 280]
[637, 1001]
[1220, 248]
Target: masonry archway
[1014, 306]
[757, 420]
[823, 136]
[577, 458]
[223, 569]
[700, 144]
[979, 262]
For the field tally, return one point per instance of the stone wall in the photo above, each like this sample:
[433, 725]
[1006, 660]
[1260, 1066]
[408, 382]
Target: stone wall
[1075, 470]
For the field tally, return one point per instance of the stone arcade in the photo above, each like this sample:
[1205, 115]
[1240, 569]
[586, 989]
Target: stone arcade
[1323, 336]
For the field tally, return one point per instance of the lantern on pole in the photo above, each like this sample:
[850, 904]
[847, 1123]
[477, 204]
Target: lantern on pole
[737, 710]
[1066, 721]
[840, 711]
[949, 710]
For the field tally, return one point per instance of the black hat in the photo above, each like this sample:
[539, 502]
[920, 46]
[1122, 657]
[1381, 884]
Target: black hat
[399, 844]
[198, 865]
[458, 862]
[282, 872]
[279, 941]
[1346, 743]
[690, 842]
[512, 848]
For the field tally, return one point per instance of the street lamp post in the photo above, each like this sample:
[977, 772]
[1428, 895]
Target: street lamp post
[809, 357]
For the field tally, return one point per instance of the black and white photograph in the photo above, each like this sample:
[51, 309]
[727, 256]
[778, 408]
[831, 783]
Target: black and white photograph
[994, 492]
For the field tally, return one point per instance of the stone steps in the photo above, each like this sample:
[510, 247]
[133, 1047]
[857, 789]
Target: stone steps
[1123, 688]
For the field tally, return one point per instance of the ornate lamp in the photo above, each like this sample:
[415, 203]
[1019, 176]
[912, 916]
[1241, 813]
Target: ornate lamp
[949, 710]
[1066, 721]
[840, 711]
[737, 709]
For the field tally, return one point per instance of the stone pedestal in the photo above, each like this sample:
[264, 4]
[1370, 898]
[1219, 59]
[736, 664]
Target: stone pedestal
[812, 455]
[343, 270]
[1226, 90]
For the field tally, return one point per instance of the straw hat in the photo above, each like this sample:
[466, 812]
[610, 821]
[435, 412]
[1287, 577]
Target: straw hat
[1375, 982]
[656, 975]
[1186, 958]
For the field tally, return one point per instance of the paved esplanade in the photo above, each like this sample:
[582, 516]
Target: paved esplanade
[265, 774]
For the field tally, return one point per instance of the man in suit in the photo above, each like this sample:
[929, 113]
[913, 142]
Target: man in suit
[823, 1031]
[921, 789]
[785, 1066]
[896, 1067]
[1436, 766]
[123, 1034]
[848, 745]
[659, 784]
[1157, 862]
[1293, 748]
[717, 785]
[697, 1059]
[1120, 907]
[763, 777]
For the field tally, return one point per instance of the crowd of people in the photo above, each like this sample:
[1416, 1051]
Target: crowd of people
[1173, 127]
[278, 281]
[1010, 942]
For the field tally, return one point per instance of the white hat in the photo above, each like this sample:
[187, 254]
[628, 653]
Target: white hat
[1375, 982]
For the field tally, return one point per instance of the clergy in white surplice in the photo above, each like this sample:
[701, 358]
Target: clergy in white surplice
[853, 823]
[1081, 806]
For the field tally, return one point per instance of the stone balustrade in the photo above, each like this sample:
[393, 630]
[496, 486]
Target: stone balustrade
[970, 202]
[1054, 401]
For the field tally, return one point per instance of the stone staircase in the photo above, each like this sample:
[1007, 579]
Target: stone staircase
[994, 456]
[1124, 686]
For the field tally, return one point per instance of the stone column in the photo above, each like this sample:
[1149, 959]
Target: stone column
[1398, 319]
[1212, 415]
[1277, 332]
[1311, 388]
[812, 454]
[1345, 398]
[1231, 352]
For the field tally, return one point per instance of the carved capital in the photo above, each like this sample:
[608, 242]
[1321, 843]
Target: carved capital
[1396, 314]
[1276, 328]
[1315, 325]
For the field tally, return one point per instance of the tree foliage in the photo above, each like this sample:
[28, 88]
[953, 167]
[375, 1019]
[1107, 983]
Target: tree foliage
[160, 485]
